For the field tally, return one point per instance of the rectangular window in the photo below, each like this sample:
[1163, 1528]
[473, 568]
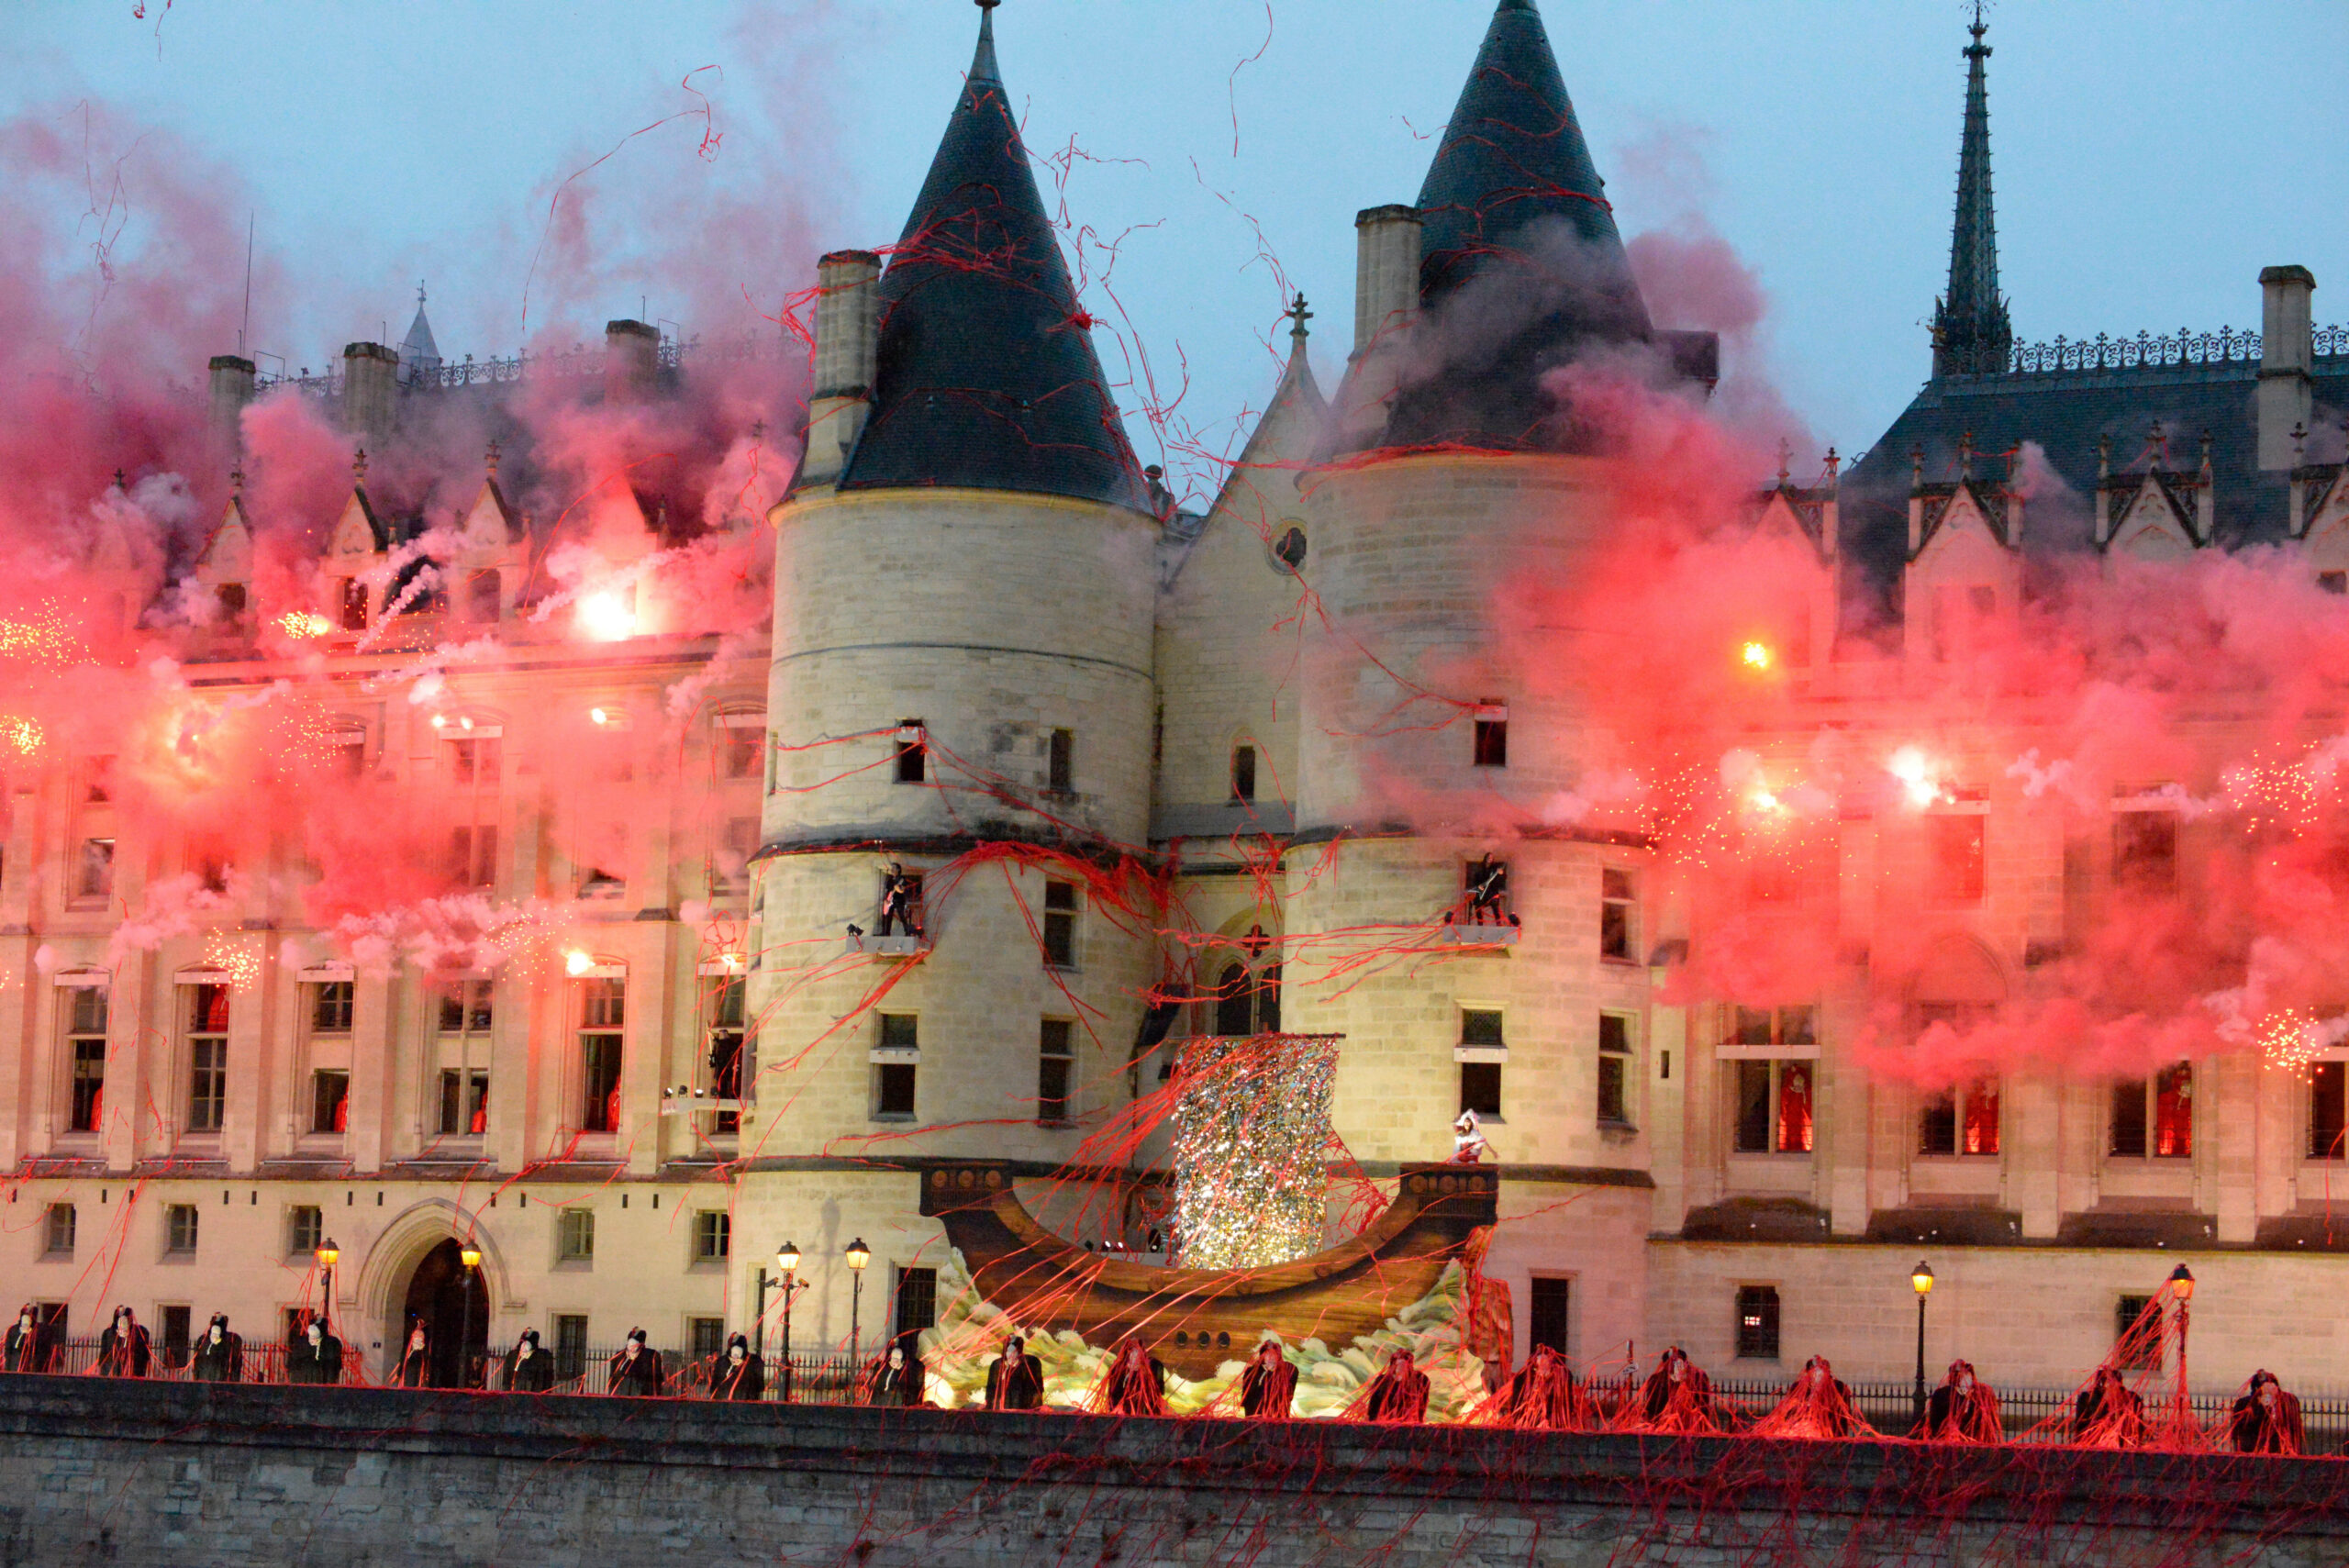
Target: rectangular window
[353, 604]
[1617, 930]
[729, 869]
[94, 875]
[330, 1008]
[1757, 1322]
[175, 1335]
[574, 1235]
[1489, 738]
[726, 1035]
[2136, 1334]
[1955, 841]
[713, 1235]
[1772, 1108]
[481, 597]
[330, 1101]
[57, 1239]
[207, 1051]
[350, 752]
[603, 1010]
[2144, 850]
[742, 743]
[1961, 1121]
[707, 1336]
[465, 1104]
[1243, 773]
[474, 760]
[473, 856]
[2127, 1139]
[1549, 1313]
[917, 1300]
[570, 1344]
[179, 1229]
[306, 1230]
[1614, 1068]
[97, 781]
[1059, 924]
[86, 1041]
[2333, 582]
[1481, 1027]
[912, 752]
[465, 1006]
[2327, 1123]
[1060, 760]
[2154, 1118]
[1480, 1088]
[1055, 1069]
[893, 1091]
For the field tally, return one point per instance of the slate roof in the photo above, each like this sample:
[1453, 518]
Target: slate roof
[987, 377]
[2066, 412]
[1512, 193]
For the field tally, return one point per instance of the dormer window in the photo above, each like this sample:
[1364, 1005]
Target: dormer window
[231, 599]
[483, 597]
[353, 608]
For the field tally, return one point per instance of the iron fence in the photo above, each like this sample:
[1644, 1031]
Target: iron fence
[2182, 348]
[814, 1379]
[579, 360]
[261, 1363]
[2034, 1415]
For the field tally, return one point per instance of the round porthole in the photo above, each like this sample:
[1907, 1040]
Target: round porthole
[1289, 548]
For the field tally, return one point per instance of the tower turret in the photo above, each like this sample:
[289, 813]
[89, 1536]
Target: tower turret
[1971, 334]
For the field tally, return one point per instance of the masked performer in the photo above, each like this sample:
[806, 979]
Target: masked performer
[1016, 1381]
[1964, 1408]
[219, 1355]
[899, 1376]
[741, 1376]
[528, 1368]
[1544, 1396]
[1268, 1388]
[414, 1370]
[637, 1369]
[1678, 1396]
[2107, 1415]
[1468, 1145]
[32, 1343]
[1399, 1396]
[897, 902]
[2267, 1419]
[1818, 1405]
[316, 1357]
[122, 1348]
[1135, 1383]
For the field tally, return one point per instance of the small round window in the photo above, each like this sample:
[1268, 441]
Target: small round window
[1289, 549]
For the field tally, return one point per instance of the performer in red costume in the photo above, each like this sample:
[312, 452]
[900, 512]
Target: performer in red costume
[1818, 1405]
[2267, 1419]
[1544, 1396]
[1678, 1396]
[1268, 1388]
[1135, 1383]
[1399, 1396]
[1963, 1410]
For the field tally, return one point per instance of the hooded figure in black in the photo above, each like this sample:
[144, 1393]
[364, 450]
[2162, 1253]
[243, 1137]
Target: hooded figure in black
[122, 1350]
[2265, 1419]
[31, 1344]
[740, 1374]
[2108, 1414]
[414, 1370]
[528, 1370]
[219, 1356]
[1397, 1395]
[1016, 1382]
[315, 1358]
[637, 1369]
[1268, 1388]
[898, 1377]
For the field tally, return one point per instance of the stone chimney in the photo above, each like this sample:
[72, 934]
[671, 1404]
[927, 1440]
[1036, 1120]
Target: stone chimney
[1386, 272]
[848, 349]
[370, 388]
[2287, 354]
[632, 361]
[231, 388]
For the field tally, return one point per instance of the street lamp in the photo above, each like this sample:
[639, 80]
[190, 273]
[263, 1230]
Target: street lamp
[469, 1255]
[2181, 1285]
[859, 1254]
[328, 1255]
[1921, 1277]
[787, 1267]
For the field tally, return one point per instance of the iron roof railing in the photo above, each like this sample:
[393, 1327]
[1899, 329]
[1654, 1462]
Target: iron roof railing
[2225, 346]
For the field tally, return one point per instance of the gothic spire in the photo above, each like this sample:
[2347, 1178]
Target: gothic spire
[1971, 334]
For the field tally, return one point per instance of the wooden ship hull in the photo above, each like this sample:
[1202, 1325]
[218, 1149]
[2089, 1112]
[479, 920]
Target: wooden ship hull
[1194, 1320]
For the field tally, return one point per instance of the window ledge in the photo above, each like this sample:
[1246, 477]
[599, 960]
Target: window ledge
[1619, 1128]
[892, 1116]
[1623, 960]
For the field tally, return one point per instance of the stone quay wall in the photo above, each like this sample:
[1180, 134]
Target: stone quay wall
[147, 1475]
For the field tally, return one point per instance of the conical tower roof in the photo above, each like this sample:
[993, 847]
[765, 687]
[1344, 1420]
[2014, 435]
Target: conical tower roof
[1971, 332]
[1514, 205]
[987, 377]
[417, 351]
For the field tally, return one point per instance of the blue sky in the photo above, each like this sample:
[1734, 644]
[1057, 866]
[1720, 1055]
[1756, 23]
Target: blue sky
[2151, 157]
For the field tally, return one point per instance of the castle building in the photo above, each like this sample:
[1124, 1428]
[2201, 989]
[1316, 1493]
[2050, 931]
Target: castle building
[1034, 780]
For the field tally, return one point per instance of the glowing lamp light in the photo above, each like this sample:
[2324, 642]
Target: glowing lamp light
[859, 1254]
[786, 1258]
[2181, 1283]
[329, 1255]
[1922, 1278]
[440, 721]
[470, 1255]
[577, 962]
[1757, 656]
[606, 617]
[599, 716]
[465, 723]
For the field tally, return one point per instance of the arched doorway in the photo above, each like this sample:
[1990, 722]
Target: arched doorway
[452, 1304]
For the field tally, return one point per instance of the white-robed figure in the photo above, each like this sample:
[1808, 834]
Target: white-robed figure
[1468, 1145]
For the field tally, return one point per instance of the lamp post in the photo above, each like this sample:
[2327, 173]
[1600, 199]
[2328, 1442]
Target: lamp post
[859, 1254]
[469, 1255]
[1921, 1277]
[786, 1264]
[2181, 1285]
[329, 1254]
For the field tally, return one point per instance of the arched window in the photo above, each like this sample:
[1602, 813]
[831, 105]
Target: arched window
[1248, 998]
